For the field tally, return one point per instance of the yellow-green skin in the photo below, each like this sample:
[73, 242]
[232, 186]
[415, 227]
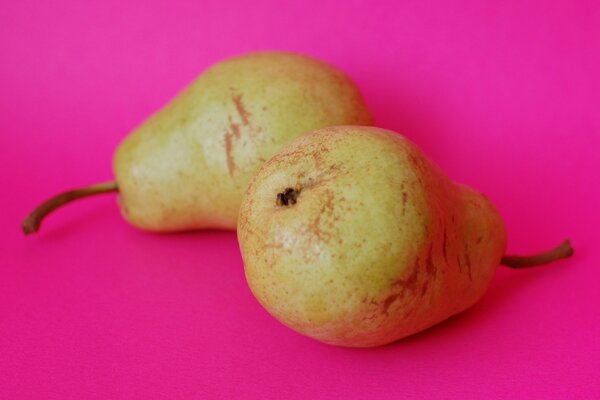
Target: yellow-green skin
[379, 245]
[187, 166]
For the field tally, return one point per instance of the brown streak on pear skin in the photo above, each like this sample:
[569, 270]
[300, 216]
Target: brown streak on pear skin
[388, 302]
[430, 267]
[410, 282]
[401, 286]
[468, 262]
[230, 136]
[326, 209]
[444, 245]
[241, 109]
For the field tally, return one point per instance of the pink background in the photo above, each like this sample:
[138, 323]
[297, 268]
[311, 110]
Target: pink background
[503, 95]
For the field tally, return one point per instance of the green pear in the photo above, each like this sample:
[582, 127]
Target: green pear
[351, 236]
[187, 166]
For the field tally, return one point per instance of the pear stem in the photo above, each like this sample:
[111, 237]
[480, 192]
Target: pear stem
[31, 224]
[564, 250]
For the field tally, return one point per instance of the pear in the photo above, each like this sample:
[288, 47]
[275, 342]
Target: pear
[187, 166]
[351, 236]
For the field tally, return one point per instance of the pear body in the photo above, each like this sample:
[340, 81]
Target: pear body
[187, 166]
[375, 244]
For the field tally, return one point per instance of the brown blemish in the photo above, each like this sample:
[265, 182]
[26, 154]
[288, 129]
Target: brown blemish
[270, 245]
[388, 302]
[413, 160]
[468, 262]
[290, 157]
[409, 283]
[401, 285]
[429, 266]
[262, 250]
[323, 178]
[230, 136]
[327, 172]
[326, 209]
[369, 317]
[476, 204]
[444, 244]
[242, 111]
[479, 239]
[404, 196]
[328, 205]
[318, 157]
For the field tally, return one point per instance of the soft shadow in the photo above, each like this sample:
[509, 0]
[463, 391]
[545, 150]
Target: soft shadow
[189, 233]
[502, 291]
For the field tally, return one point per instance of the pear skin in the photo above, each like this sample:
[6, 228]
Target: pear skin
[187, 166]
[351, 236]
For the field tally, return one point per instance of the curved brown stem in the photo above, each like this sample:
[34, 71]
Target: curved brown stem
[564, 250]
[31, 224]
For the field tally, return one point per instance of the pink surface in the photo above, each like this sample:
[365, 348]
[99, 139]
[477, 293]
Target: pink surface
[503, 95]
